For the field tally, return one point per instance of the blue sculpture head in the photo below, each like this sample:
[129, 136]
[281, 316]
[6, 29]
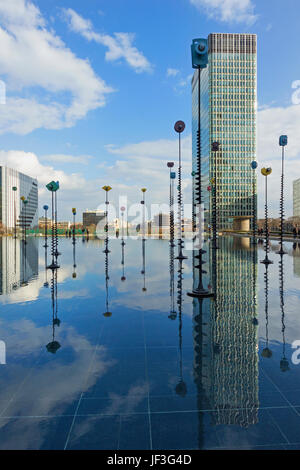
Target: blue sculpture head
[253, 165]
[199, 50]
[173, 175]
[283, 140]
[45, 208]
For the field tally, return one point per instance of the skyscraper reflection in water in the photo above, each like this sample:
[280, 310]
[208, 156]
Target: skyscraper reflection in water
[18, 263]
[226, 338]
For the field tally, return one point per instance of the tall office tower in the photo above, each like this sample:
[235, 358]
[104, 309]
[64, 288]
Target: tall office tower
[296, 198]
[227, 115]
[11, 206]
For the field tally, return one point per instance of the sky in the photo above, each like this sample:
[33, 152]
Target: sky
[93, 89]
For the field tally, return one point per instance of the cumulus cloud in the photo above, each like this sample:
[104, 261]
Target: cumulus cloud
[230, 11]
[63, 158]
[33, 57]
[120, 45]
[172, 72]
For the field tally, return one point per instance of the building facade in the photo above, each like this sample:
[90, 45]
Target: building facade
[12, 209]
[228, 107]
[92, 217]
[296, 198]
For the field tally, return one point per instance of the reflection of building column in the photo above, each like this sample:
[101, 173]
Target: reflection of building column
[18, 263]
[225, 341]
[284, 363]
[54, 345]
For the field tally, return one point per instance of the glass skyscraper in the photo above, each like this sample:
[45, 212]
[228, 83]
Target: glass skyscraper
[228, 106]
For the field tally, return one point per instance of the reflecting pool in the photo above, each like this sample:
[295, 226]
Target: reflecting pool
[109, 352]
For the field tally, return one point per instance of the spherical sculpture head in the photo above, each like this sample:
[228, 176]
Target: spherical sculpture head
[170, 164]
[266, 171]
[253, 165]
[74, 211]
[266, 352]
[14, 188]
[45, 207]
[179, 126]
[283, 140]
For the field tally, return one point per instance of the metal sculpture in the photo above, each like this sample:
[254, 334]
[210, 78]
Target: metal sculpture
[199, 61]
[45, 207]
[53, 187]
[14, 188]
[283, 140]
[123, 278]
[179, 128]
[74, 225]
[171, 202]
[254, 204]
[266, 172]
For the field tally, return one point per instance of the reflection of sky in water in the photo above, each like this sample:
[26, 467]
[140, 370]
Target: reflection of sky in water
[140, 379]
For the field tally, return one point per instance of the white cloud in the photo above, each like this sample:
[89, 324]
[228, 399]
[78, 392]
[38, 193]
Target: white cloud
[33, 57]
[63, 158]
[231, 11]
[273, 122]
[119, 46]
[162, 148]
[172, 72]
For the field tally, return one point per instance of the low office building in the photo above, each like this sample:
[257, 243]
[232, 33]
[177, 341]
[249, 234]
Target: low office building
[92, 217]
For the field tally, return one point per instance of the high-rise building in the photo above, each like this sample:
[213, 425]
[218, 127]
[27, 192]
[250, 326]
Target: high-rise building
[12, 209]
[296, 198]
[227, 115]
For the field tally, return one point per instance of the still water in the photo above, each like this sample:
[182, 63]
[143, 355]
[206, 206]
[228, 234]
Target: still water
[112, 354]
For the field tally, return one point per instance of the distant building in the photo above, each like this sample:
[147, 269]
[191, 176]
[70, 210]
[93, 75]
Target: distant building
[296, 198]
[11, 206]
[161, 220]
[92, 217]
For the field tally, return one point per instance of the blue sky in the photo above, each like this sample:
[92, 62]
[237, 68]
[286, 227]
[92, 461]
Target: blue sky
[93, 90]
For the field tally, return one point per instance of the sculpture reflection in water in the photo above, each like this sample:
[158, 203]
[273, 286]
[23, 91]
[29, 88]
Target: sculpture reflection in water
[18, 263]
[53, 346]
[284, 363]
[143, 271]
[46, 283]
[266, 352]
[74, 275]
[180, 388]
[123, 277]
[225, 340]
